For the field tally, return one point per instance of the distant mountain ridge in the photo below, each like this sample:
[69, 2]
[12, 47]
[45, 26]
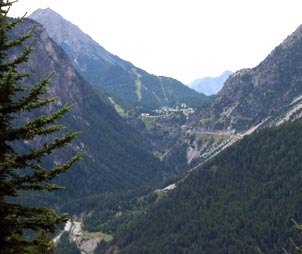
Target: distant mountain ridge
[128, 87]
[118, 157]
[242, 200]
[210, 85]
[251, 99]
[263, 96]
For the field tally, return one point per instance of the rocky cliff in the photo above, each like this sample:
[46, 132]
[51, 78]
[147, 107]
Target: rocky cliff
[117, 157]
[263, 95]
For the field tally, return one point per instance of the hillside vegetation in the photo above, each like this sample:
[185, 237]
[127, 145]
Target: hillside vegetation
[240, 202]
[132, 88]
[118, 157]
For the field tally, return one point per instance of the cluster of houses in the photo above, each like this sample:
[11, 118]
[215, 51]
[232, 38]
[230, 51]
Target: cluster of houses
[167, 111]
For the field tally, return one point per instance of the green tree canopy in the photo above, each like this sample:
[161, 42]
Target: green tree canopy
[23, 170]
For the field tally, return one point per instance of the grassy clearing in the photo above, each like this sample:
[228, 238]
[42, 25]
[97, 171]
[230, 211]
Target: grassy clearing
[98, 235]
[138, 84]
[118, 108]
[149, 122]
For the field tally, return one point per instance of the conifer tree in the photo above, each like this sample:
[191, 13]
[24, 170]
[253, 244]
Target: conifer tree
[294, 246]
[25, 171]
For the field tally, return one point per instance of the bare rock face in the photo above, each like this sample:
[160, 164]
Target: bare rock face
[85, 244]
[106, 137]
[264, 94]
[251, 99]
[85, 241]
[77, 44]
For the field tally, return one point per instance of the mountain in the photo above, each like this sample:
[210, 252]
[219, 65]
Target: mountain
[251, 99]
[129, 88]
[265, 95]
[240, 202]
[210, 85]
[118, 157]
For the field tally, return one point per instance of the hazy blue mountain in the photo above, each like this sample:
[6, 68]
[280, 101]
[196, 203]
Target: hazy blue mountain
[129, 88]
[210, 85]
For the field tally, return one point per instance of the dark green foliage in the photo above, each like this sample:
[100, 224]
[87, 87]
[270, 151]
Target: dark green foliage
[176, 158]
[156, 91]
[65, 246]
[240, 202]
[23, 170]
[101, 247]
[295, 243]
[106, 212]
[43, 244]
[118, 157]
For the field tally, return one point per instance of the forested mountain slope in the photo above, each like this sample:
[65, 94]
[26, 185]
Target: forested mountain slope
[264, 96]
[129, 87]
[239, 202]
[118, 157]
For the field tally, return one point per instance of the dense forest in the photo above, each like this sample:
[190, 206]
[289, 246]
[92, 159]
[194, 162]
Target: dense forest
[240, 202]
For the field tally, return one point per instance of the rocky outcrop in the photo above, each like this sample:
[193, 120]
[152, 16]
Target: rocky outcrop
[105, 136]
[85, 241]
[261, 94]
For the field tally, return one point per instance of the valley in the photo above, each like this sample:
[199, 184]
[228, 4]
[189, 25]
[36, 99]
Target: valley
[168, 169]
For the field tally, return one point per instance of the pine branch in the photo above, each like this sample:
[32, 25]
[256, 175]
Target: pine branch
[35, 218]
[24, 57]
[33, 99]
[22, 161]
[25, 171]
[7, 4]
[43, 176]
[15, 22]
[25, 103]
[36, 127]
[22, 39]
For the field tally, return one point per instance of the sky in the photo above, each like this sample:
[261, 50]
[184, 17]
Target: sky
[182, 39]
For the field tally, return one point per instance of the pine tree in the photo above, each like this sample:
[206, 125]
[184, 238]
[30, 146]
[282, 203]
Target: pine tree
[294, 246]
[43, 244]
[25, 171]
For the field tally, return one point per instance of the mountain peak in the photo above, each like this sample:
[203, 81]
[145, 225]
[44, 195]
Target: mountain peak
[295, 36]
[92, 116]
[129, 87]
[40, 13]
[70, 36]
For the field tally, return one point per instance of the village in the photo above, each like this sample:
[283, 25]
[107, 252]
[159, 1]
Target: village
[167, 111]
